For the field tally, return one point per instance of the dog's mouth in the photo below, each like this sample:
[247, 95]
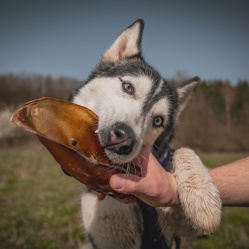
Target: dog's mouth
[124, 147]
[120, 153]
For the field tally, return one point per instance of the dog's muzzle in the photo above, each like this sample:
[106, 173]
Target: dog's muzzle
[120, 139]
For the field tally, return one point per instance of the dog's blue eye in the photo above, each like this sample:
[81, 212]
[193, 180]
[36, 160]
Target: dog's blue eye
[128, 88]
[158, 121]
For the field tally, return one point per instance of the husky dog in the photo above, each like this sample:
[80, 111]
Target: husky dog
[136, 106]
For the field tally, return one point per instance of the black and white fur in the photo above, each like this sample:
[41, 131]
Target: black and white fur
[136, 106]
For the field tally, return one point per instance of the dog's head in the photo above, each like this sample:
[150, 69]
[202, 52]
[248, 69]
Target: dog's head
[134, 103]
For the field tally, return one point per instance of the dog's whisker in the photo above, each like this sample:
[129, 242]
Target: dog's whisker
[141, 169]
[139, 162]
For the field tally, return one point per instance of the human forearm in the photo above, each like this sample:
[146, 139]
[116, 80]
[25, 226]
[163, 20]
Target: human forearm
[232, 181]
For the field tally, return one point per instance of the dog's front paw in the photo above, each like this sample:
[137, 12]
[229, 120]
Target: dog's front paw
[199, 197]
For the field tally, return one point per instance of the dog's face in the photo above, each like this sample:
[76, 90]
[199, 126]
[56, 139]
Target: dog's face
[135, 105]
[129, 114]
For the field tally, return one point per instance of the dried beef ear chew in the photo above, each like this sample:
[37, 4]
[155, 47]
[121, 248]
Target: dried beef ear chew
[68, 131]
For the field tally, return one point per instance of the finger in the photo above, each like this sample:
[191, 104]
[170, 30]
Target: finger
[126, 184]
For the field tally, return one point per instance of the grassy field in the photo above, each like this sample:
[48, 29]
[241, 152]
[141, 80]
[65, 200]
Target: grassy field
[40, 206]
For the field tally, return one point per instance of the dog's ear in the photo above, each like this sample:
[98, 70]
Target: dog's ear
[185, 91]
[127, 44]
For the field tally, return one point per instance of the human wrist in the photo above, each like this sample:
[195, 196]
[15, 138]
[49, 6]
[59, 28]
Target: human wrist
[172, 191]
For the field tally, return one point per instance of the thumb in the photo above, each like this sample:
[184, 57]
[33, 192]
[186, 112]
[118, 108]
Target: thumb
[125, 184]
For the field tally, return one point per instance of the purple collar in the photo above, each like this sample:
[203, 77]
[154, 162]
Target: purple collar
[166, 158]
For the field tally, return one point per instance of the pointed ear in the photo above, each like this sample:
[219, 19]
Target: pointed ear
[185, 92]
[127, 44]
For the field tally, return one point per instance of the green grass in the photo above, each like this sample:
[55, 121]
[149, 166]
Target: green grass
[232, 233]
[40, 206]
[216, 159]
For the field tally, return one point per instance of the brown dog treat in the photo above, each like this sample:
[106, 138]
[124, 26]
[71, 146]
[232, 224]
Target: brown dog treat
[68, 131]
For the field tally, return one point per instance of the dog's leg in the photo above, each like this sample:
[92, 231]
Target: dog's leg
[199, 197]
[110, 224]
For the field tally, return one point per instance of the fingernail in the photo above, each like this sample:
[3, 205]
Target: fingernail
[117, 183]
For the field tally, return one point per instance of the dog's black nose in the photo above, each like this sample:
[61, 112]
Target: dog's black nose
[121, 139]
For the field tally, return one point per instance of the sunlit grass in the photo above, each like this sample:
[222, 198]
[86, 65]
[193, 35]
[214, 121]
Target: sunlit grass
[39, 204]
[216, 159]
[232, 233]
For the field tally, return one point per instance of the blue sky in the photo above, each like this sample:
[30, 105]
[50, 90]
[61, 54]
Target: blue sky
[66, 38]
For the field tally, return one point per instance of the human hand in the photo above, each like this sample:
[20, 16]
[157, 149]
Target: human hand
[156, 186]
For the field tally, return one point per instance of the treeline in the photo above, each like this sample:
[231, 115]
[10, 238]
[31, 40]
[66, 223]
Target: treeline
[216, 119]
[18, 89]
